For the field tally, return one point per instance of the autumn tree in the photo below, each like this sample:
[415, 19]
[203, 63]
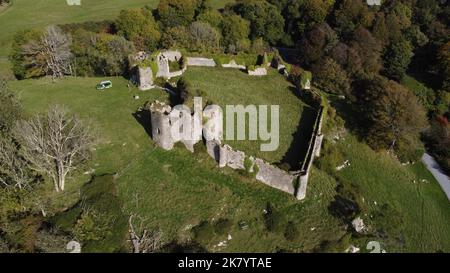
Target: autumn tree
[55, 144]
[317, 43]
[330, 77]
[391, 116]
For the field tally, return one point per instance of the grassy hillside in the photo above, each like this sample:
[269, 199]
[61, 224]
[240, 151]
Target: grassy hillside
[25, 14]
[177, 190]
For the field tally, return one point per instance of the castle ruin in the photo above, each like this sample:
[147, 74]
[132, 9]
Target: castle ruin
[167, 130]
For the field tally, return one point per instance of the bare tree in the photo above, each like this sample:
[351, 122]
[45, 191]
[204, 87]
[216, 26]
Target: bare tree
[55, 143]
[146, 241]
[14, 169]
[50, 55]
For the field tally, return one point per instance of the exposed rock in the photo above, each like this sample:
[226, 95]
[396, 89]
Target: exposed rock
[358, 225]
[352, 249]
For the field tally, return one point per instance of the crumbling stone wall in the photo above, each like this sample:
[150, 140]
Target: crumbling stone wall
[145, 78]
[163, 60]
[233, 64]
[313, 152]
[163, 121]
[260, 71]
[199, 61]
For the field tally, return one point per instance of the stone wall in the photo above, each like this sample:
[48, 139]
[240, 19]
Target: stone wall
[260, 71]
[199, 61]
[145, 78]
[163, 123]
[233, 64]
[266, 173]
[314, 149]
[163, 60]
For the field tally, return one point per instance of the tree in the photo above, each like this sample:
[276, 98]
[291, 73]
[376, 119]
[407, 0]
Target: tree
[351, 14]
[55, 143]
[14, 169]
[48, 55]
[204, 37]
[212, 17]
[139, 26]
[143, 241]
[235, 29]
[369, 50]
[175, 37]
[10, 110]
[174, 13]
[444, 64]
[265, 19]
[330, 77]
[392, 117]
[317, 43]
[397, 58]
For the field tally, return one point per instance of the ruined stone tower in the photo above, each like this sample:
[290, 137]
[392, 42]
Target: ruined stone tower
[161, 125]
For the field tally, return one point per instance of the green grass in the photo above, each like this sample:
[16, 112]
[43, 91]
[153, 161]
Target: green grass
[26, 14]
[176, 190]
[423, 206]
[233, 87]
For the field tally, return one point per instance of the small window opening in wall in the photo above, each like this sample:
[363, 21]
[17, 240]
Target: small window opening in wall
[158, 131]
[181, 129]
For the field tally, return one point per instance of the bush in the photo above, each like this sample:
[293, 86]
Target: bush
[97, 220]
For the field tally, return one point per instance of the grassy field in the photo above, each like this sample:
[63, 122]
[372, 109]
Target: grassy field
[233, 87]
[419, 210]
[177, 190]
[25, 14]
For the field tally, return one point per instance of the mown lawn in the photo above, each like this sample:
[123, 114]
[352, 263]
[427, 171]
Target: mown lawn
[233, 87]
[25, 14]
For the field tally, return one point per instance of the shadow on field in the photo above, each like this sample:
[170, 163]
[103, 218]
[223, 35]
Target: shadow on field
[299, 147]
[143, 117]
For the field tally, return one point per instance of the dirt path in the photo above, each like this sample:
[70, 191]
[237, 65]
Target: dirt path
[440, 176]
